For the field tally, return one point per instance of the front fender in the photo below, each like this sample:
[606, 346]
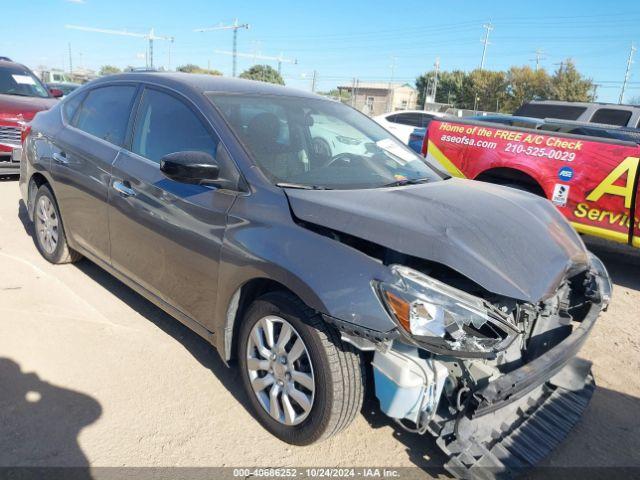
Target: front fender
[328, 276]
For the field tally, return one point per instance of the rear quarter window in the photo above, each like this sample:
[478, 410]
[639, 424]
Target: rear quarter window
[70, 106]
[564, 112]
[611, 116]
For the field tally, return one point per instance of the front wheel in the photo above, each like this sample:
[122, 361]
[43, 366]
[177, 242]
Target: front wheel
[304, 384]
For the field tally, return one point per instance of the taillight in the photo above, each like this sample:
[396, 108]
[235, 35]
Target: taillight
[424, 143]
[24, 132]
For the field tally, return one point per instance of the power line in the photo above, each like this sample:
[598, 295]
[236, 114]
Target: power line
[280, 59]
[235, 27]
[151, 36]
[627, 73]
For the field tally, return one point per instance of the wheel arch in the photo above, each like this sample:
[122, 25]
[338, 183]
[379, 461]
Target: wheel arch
[238, 304]
[507, 175]
[35, 182]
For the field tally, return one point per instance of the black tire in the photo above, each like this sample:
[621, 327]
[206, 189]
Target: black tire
[524, 188]
[338, 367]
[62, 253]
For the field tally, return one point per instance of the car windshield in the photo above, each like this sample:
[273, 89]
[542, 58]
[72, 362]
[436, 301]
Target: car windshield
[315, 143]
[21, 82]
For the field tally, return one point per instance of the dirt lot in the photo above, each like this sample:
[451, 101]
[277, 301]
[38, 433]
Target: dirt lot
[93, 374]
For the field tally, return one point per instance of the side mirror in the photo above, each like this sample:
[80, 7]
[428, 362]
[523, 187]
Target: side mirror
[190, 167]
[56, 92]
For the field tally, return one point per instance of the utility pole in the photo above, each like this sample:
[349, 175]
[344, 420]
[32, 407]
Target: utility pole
[390, 94]
[627, 73]
[70, 61]
[235, 26]
[488, 27]
[434, 86]
[539, 56]
[314, 80]
[170, 43]
[353, 92]
[151, 36]
[435, 78]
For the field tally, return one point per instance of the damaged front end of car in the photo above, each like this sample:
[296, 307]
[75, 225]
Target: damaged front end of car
[495, 380]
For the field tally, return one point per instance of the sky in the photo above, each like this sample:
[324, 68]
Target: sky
[340, 40]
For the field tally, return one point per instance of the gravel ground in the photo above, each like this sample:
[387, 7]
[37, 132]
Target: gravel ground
[93, 374]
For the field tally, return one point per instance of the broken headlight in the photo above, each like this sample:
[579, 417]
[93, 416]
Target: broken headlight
[443, 319]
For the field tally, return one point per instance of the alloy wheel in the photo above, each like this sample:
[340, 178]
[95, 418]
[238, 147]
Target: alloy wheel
[280, 370]
[47, 225]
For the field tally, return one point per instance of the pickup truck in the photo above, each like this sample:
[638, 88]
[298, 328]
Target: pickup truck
[591, 177]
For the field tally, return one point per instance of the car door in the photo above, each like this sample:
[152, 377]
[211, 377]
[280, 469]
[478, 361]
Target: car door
[165, 235]
[84, 150]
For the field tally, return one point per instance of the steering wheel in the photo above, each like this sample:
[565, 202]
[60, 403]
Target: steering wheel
[345, 158]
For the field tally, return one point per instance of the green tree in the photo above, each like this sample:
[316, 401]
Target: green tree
[569, 85]
[263, 73]
[191, 68]
[484, 90]
[525, 84]
[108, 70]
[449, 89]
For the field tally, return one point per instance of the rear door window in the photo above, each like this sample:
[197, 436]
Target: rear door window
[165, 125]
[611, 116]
[105, 112]
[411, 119]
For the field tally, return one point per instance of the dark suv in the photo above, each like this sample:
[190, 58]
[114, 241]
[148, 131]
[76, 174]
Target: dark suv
[309, 267]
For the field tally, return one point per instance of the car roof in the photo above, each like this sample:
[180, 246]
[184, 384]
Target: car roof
[511, 118]
[583, 104]
[203, 83]
[12, 64]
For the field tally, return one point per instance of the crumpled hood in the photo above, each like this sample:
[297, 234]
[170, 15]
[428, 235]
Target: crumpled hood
[13, 105]
[511, 243]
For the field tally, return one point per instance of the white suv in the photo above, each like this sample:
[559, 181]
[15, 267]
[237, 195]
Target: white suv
[402, 123]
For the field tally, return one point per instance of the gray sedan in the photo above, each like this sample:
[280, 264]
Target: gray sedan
[315, 270]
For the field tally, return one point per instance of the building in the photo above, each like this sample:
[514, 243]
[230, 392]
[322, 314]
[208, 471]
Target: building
[375, 98]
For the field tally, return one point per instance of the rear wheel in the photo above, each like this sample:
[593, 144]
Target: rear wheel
[304, 384]
[49, 231]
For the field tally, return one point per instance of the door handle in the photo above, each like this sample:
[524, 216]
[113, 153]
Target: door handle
[124, 189]
[60, 158]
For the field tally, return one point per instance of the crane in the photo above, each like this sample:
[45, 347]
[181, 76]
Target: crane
[151, 36]
[280, 59]
[235, 26]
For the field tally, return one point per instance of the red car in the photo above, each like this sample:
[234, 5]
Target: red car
[593, 181]
[22, 95]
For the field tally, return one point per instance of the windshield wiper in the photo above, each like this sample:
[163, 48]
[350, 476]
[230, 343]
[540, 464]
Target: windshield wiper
[406, 181]
[302, 187]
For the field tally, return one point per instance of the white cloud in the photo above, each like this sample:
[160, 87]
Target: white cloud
[75, 1]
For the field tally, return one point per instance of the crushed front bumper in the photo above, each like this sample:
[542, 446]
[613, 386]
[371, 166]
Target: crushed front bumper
[518, 419]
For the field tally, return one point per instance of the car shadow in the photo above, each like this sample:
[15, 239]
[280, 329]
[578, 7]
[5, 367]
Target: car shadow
[602, 445]
[198, 347]
[421, 449]
[622, 261]
[40, 423]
